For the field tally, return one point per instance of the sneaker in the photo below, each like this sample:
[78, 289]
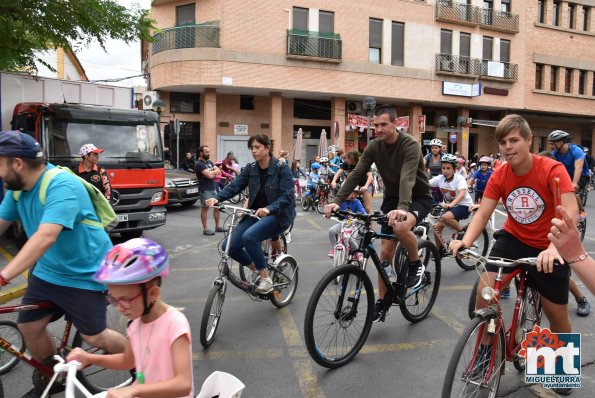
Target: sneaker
[505, 293]
[288, 237]
[264, 286]
[331, 253]
[414, 277]
[208, 232]
[583, 216]
[584, 308]
[359, 256]
[253, 276]
[562, 391]
[380, 311]
[484, 355]
[443, 252]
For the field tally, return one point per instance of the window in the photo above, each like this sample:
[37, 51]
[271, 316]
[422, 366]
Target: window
[505, 5]
[465, 52]
[326, 22]
[556, 13]
[300, 18]
[311, 109]
[586, 18]
[445, 41]
[488, 6]
[375, 53]
[504, 50]
[184, 102]
[582, 81]
[487, 47]
[568, 80]
[398, 43]
[540, 13]
[538, 76]
[185, 15]
[571, 9]
[247, 102]
[554, 78]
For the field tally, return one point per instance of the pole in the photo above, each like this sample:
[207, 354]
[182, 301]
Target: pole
[177, 145]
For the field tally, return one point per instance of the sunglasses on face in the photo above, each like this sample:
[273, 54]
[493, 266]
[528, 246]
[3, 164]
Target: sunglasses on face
[124, 302]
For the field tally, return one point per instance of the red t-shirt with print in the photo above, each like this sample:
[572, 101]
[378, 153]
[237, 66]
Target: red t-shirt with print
[529, 199]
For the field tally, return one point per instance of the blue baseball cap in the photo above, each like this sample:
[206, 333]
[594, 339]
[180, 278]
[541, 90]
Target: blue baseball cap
[19, 145]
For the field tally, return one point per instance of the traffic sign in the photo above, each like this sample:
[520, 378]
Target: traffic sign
[452, 138]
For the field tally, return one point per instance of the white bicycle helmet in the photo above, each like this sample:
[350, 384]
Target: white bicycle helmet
[558, 135]
[452, 159]
[485, 159]
[436, 142]
[323, 159]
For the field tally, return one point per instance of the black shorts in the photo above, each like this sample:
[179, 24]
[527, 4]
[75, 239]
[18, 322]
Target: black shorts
[553, 287]
[86, 308]
[420, 208]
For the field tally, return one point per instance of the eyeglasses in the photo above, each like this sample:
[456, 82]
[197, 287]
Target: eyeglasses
[126, 303]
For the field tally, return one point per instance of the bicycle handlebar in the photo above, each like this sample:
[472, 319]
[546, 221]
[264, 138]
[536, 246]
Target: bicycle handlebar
[237, 209]
[376, 216]
[499, 261]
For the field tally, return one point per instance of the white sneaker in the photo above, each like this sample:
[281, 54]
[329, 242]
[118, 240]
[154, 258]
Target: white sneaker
[288, 237]
[264, 286]
[253, 276]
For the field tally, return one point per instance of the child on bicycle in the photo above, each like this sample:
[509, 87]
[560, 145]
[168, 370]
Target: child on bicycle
[313, 180]
[457, 200]
[350, 204]
[159, 341]
[480, 177]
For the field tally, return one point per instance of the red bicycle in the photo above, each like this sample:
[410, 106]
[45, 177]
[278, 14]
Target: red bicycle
[95, 379]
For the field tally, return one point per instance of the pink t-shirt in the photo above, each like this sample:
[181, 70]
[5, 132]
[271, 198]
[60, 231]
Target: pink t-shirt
[152, 351]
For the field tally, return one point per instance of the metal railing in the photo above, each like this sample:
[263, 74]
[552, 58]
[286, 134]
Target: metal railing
[194, 36]
[500, 20]
[447, 10]
[314, 44]
[447, 63]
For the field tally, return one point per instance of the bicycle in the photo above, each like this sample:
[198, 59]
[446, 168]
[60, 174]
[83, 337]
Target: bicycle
[283, 271]
[472, 369]
[70, 369]
[342, 250]
[422, 230]
[333, 332]
[582, 194]
[95, 379]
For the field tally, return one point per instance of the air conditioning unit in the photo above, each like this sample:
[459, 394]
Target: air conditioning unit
[354, 106]
[148, 98]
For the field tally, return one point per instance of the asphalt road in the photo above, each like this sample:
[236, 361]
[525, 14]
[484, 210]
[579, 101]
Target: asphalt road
[263, 346]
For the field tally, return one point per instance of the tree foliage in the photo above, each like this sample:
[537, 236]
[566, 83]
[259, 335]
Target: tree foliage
[30, 26]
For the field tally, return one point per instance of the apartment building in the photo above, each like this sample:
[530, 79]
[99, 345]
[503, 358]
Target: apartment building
[228, 68]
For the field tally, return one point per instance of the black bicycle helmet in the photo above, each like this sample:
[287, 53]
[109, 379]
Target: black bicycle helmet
[558, 135]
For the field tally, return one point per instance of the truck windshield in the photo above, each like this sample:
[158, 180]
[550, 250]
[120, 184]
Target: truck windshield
[127, 142]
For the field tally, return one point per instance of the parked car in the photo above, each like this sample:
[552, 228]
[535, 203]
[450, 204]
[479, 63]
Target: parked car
[182, 186]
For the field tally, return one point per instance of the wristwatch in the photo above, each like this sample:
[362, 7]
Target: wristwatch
[580, 258]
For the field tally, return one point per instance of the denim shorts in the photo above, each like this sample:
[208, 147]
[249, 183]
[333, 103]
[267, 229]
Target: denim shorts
[460, 212]
[206, 195]
[85, 308]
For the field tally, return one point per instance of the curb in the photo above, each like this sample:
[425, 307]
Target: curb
[17, 291]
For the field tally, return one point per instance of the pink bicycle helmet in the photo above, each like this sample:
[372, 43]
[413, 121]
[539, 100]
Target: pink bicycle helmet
[133, 262]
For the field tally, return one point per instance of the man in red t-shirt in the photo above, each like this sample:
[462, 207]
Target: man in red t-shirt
[531, 206]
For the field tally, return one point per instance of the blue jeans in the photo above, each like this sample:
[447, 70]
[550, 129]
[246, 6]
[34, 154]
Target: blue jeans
[245, 246]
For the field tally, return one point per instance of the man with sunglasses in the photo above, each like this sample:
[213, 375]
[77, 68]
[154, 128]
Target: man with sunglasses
[66, 252]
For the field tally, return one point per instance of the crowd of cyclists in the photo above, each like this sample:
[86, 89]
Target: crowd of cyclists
[76, 263]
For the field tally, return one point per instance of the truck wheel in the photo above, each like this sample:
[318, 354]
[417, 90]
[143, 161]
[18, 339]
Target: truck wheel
[127, 235]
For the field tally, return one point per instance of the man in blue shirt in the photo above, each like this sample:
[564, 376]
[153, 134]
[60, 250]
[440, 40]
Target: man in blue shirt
[571, 156]
[67, 252]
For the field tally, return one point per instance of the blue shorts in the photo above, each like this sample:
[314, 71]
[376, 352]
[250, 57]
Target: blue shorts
[206, 195]
[460, 212]
[85, 308]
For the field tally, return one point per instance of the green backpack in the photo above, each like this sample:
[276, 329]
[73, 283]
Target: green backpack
[106, 214]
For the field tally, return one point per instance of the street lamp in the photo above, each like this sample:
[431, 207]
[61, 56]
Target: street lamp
[369, 104]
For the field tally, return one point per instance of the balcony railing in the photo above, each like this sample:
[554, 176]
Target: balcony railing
[201, 35]
[449, 11]
[314, 44]
[454, 64]
[499, 20]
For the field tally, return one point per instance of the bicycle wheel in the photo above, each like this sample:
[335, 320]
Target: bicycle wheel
[339, 318]
[472, 299]
[96, 378]
[582, 228]
[529, 315]
[1, 389]
[272, 256]
[338, 259]
[306, 203]
[583, 193]
[480, 245]
[473, 370]
[417, 303]
[11, 333]
[285, 281]
[322, 202]
[211, 315]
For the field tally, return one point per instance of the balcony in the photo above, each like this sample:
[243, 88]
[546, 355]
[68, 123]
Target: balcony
[463, 14]
[194, 36]
[499, 20]
[447, 64]
[319, 46]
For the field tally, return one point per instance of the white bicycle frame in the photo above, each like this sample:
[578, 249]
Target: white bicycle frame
[70, 368]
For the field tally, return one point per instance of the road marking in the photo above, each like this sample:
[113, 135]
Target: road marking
[381, 348]
[315, 224]
[303, 367]
[450, 321]
[456, 288]
[222, 355]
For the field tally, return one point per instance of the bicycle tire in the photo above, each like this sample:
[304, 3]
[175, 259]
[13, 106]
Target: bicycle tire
[327, 299]
[582, 228]
[583, 193]
[242, 272]
[416, 304]
[481, 245]
[473, 299]
[1, 389]
[530, 314]
[284, 290]
[338, 260]
[210, 319]
[11, 333]
[95, 378]
[306, 203]
[461, 368]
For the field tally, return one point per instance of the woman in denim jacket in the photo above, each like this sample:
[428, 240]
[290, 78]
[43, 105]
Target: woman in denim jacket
[270, 186]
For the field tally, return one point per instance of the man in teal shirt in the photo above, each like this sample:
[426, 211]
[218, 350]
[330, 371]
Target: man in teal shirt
[66, 251]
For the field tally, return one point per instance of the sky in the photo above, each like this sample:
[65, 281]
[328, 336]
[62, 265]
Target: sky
[120, 60]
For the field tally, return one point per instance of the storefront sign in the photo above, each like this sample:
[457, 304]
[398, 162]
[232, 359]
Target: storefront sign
[461, 89]
[495, 69]
[240, 129]
[422, 124]
[403, 123]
